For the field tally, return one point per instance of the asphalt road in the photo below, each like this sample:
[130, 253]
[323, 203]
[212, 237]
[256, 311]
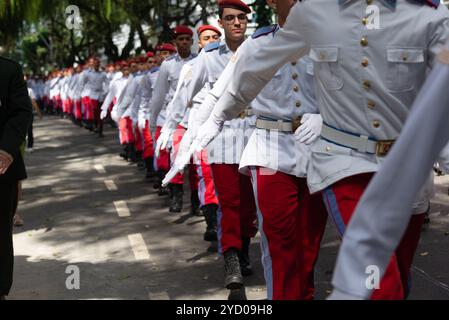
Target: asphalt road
[89, 213]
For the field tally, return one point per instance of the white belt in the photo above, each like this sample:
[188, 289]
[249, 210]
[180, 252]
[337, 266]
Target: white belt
[278, 125]
[357, 142]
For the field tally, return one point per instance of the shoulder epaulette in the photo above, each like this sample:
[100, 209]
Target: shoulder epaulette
[212, 46]
[264, 31]
[155, 69]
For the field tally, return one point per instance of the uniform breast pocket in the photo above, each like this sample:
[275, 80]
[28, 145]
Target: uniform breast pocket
[404, 65]
[327, 67]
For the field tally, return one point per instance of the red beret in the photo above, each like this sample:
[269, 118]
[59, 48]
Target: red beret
[205, 27]
[237, 4]
[181, 29]
[150, 54]
[143, 59]
[166, 47]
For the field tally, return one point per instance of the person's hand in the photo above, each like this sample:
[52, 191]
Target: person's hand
[142, 123]
[5, 161]
[115, 116]
[208, 132]
[310, 128]
[183, 157]
[103, 114]
[162, 141]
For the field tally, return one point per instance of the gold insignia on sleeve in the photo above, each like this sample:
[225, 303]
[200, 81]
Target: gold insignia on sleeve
[443, 57]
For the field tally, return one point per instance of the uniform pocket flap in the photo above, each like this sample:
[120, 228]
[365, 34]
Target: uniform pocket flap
[324, 54]
[405, 55]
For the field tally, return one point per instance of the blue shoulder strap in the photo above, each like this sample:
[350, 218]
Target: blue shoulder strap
[264, 31]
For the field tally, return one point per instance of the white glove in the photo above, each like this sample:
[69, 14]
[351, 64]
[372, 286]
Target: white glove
[162, 141]
[310, 128]
[115, 116]
[183, 157]
[208, 132]
[103, 114]
[142, 123]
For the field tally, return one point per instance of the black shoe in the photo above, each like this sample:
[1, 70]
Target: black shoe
[177, 192]
[237, 294]
[210, 214]
[245, 262]
[195, 204]
[149, 165]
[132, 153]
[233, 275]
[125, 152]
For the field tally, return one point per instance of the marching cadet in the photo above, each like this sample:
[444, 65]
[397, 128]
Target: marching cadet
[147, 86]
[93, 81]
[237, 213]
[278, 164]
[178, 113]
[163, 92]
[392, 191]
[367, 76]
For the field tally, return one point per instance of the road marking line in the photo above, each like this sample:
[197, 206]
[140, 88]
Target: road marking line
[100, 169]
[429, 278]
[110, 185]
[122, 209]
[139, 247]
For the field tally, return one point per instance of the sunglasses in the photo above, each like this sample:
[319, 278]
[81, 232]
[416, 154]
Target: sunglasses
[243, 18]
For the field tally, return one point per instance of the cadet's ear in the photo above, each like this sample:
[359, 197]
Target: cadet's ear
[220, 23]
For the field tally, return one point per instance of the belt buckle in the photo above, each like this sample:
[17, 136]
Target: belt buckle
[383, 147]
[296, 123]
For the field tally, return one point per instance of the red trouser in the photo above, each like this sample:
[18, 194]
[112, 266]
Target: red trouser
[126, 131]
[341, 199]
[139, 139]
[148, 148]
[78, 110]
[66, 105]
[206, 188]
[292, 224]
[237, 215]
[95, 109]
[163, 161]
[85, 101]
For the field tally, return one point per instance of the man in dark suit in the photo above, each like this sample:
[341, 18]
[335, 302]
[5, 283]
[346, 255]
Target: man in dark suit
[15, 117]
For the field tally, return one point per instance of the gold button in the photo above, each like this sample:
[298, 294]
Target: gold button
[365, 62]
[371, 104]
[369, 1]
[295, 76]
[298, 104]
[404, 56]
[366, 84]
[322, 55]
[365, 21]
[376, 124]
[328, 149]
[294, 63]
[364, 41]
[296, 88]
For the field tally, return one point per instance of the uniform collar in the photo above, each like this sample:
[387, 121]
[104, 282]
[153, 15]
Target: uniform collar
[392, 3]
[389, 3]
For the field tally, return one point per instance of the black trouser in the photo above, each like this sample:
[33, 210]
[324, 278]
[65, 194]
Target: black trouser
[30, 135]
[8, 205]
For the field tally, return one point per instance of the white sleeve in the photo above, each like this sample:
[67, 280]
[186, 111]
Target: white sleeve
[160, 91]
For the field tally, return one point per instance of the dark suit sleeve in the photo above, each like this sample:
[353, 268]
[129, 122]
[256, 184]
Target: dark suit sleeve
[18, 113]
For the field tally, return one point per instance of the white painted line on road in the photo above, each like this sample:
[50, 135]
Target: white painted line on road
[100, 169]
[122, 209]
[429, 278]
[110, 185]
[139, 247]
